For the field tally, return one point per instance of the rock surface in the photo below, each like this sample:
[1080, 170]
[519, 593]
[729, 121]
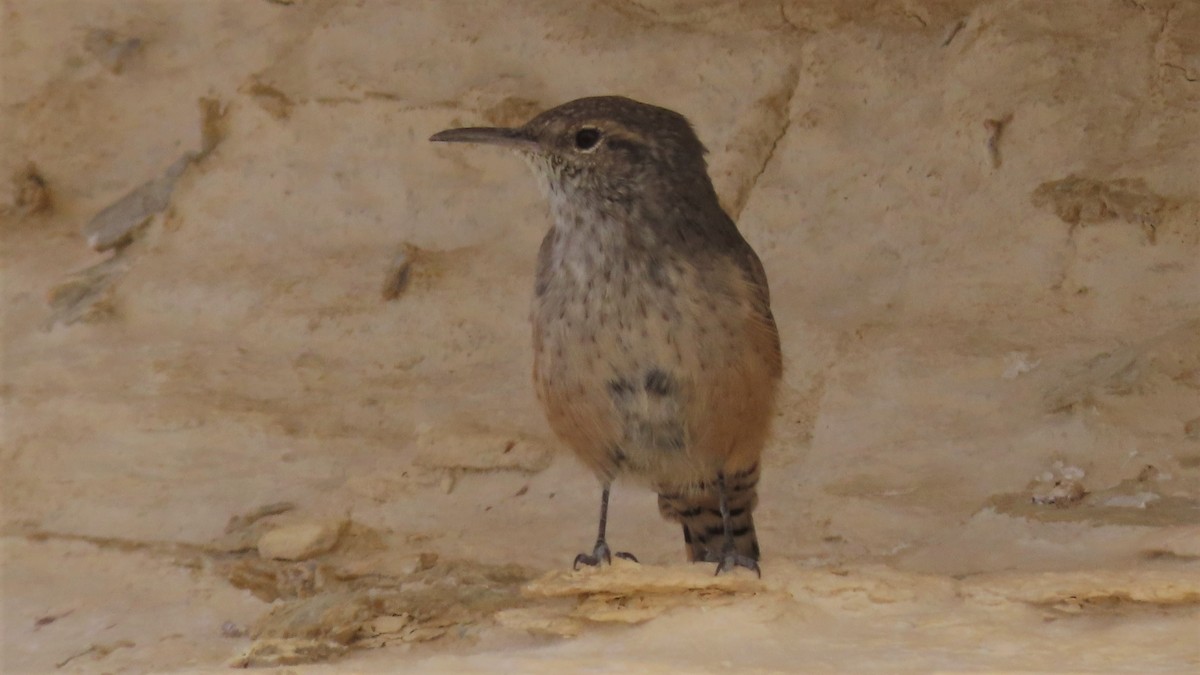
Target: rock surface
[981, 224]
[300, 541]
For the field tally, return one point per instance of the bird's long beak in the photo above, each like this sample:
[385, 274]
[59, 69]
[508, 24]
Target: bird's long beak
[502, 136]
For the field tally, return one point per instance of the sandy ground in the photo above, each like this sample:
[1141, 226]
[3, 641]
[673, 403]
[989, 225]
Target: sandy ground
[981, 223]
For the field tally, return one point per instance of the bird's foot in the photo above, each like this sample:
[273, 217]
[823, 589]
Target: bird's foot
[728, 559]
[600, 554]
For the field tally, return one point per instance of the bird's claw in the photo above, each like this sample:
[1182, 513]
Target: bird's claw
[600, 554]
[728, 559]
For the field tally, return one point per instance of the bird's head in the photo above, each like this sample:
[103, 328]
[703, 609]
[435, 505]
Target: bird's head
[608, 149]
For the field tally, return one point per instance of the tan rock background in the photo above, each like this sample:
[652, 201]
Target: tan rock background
[981, 223]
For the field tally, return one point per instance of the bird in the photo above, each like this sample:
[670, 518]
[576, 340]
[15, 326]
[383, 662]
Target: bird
[656, 355]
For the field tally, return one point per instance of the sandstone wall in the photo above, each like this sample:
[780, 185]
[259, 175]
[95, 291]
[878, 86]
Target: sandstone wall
[981, 223]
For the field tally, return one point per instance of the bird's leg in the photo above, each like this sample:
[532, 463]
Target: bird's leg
[601, 553]
[729, 558]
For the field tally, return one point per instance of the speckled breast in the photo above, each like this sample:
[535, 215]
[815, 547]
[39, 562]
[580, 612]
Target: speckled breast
[645, 360]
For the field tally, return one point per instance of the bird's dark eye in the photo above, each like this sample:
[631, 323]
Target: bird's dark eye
[587, 138]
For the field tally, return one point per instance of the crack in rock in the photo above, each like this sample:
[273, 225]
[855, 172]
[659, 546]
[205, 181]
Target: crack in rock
[780, 103]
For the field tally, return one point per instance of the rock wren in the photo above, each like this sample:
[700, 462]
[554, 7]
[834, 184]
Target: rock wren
[656, 356]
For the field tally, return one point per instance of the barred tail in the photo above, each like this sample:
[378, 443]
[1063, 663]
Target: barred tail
[700, 514]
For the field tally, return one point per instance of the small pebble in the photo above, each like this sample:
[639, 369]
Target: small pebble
[300, 541]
